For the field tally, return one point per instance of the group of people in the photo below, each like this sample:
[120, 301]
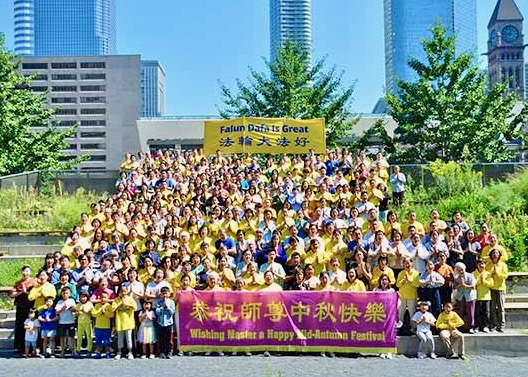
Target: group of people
[182, 221]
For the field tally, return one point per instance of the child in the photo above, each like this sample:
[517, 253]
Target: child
[165, 309]
[482, 310]
[423, 321]
[124, 307]
[31, 325]
[66, 319]
[83, 311]
[103, 313]
[447, 323]
[146, 333]
[48, 327]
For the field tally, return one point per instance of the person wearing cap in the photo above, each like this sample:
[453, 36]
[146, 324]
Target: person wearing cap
[423, 320]
[484, 282]
[499, 273]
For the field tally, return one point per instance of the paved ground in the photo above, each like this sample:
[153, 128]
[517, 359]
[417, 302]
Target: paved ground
[274, 366]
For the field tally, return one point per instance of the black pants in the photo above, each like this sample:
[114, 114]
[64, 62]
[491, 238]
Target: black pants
[21, 315]
[165, 339]
[482, 314]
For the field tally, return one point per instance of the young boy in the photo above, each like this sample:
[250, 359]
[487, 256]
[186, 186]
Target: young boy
[31, 325]
[103, 314]
[66, 319]
[48, 327]
[423, 321]
[484, 284]
[165, 309]
[447, 323]
[83, 311]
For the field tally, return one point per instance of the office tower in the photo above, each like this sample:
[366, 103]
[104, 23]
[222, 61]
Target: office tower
[408, 22]
[290, 20]
[152, 89]
[526, 80]
[506, 47]
[65, 27]
[101, 94]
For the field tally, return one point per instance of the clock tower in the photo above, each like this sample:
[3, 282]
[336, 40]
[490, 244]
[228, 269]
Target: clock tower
[506, 47]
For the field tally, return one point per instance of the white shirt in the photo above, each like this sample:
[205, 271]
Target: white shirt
[423, 326]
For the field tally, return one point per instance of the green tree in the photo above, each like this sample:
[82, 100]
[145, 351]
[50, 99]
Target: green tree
[375, 136]
[293, 90]
[29, 138]
[449, 112]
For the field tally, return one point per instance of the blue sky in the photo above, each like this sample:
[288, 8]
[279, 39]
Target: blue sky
[202, 42]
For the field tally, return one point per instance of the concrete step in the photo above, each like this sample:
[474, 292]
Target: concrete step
[33, 249]
[6, 333]
[511, 343]
[7, 323]
[9, 257]
[7, 314]
[7, 344]
[517, 298]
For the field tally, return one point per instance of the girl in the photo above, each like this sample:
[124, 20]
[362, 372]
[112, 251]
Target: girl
[124, 307]
[146, 334]
[423, 321]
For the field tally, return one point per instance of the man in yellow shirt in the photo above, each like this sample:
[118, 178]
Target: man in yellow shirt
[447, 323]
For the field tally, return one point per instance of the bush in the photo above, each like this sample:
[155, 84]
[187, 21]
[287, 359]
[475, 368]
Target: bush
[10, 269]
[55, 211]
[503, 205]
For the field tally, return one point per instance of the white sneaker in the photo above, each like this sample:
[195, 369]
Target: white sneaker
[130, 356]
[143, 357]
[454, 356]
[118, 356]
[433, 355]
[485, 330]
[152, 356]
[388, 356]
[420, 355]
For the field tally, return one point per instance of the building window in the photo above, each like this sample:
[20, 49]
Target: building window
[93, 99]
[66, 123]
[67, 65]
[93, 76]
[66, 112]
[93, 111]
[40, 77]
[93, 65]
[93, 134]
[63, 88]
[34, 65]
[93, 88]
[72, 147]
[93, 146]
[91, 122]
[64, 100]
[39, 88]
[68, 76]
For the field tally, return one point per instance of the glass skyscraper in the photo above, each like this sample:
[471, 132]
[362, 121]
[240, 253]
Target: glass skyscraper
[152, 89]
[65, 27]
[290, 20]
[408, 22]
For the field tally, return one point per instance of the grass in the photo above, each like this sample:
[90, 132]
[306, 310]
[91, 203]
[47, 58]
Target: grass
[10, 269]
[57, 211]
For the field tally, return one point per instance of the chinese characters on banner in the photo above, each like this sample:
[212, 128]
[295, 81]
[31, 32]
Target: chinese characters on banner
[264, 135]
[288, 321]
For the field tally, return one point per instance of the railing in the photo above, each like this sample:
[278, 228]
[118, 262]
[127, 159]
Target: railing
[104, 180]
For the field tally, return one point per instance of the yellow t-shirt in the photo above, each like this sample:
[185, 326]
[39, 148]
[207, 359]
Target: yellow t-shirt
[124, 314]
[408, 288]
[103, 314]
